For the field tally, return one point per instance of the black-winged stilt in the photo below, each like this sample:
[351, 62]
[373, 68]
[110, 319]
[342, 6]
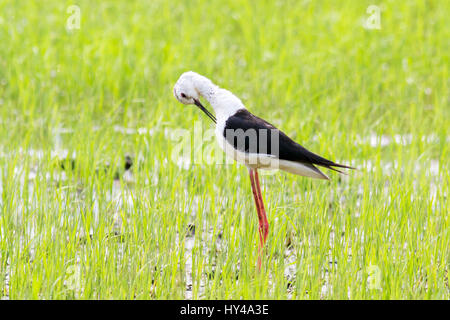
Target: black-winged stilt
[250, 140]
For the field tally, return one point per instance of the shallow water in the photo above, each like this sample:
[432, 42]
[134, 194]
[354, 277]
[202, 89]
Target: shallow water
[121, 196]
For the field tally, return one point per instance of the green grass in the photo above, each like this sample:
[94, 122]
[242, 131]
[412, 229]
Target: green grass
[309, 66]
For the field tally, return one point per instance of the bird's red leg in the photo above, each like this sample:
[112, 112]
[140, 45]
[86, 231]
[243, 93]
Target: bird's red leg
[257, 203]
[263, 223]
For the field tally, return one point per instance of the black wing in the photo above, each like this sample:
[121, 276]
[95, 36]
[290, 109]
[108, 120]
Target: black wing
[251, 134]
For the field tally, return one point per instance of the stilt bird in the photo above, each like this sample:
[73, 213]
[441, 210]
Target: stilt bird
[250, 140]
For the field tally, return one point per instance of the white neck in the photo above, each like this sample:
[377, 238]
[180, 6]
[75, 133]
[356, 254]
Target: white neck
[224, 103]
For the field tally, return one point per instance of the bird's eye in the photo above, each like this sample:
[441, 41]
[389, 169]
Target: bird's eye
[183, 95]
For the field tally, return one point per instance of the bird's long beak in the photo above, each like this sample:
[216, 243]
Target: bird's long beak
[209, 114]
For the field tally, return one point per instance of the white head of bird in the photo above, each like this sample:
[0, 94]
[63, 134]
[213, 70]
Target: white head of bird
[191, 86]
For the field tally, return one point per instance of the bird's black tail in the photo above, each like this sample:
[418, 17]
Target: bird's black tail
[321, 161]
[330, 164]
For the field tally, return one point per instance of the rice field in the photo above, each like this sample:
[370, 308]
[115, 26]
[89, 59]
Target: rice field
[111, 189]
